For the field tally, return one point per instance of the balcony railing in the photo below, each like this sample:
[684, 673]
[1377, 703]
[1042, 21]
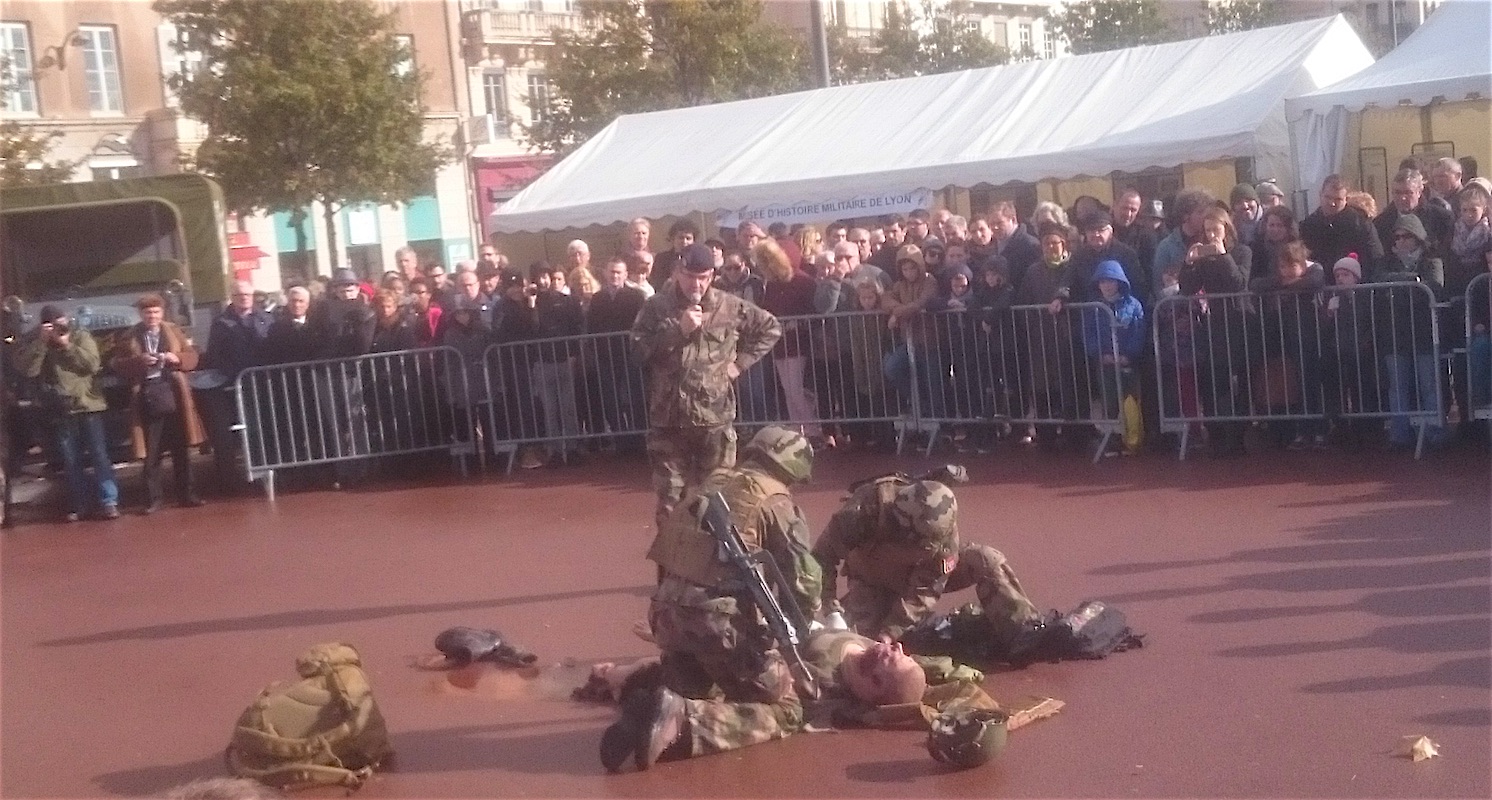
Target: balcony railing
[496, 26]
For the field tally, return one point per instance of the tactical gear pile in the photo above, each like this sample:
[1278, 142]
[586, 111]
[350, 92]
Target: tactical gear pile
[967, 737]
[1093, 630]
[323, 730]
[462, 645]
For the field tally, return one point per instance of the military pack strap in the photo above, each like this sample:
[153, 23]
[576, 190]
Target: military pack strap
[296, 776]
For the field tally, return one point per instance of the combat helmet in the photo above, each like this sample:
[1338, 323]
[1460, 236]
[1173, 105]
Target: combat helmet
[967, 737]
[788, 450]
[929, 509]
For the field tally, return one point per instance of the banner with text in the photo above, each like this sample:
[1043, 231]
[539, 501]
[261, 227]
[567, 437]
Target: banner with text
[828, 210]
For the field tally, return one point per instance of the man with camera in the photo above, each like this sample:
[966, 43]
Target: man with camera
[64, 366]
[153, 358]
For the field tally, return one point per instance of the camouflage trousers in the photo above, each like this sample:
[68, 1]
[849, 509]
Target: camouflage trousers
[738, 689]
[1005, 604]
[682, 457]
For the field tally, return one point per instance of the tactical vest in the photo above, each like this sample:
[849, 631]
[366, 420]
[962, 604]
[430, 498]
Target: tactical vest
[886, 551]
[685, 549]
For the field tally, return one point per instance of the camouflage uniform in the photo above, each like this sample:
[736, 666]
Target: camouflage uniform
[901, 553]
[738, 687]
[691, 398]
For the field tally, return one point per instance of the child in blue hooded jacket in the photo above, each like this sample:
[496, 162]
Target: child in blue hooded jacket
[1128, 327]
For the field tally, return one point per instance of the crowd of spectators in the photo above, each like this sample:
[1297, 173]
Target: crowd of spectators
[864, 300]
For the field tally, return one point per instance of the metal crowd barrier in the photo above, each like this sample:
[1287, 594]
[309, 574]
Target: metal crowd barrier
[842, 374]
[1335, 355]
[345, 410]
[1026, 365]
[560, 392]
[1478, 347]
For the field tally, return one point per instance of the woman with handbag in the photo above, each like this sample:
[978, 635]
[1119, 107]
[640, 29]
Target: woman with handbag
[153, 358]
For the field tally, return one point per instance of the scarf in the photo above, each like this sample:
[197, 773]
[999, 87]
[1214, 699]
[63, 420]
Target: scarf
[1470, 241]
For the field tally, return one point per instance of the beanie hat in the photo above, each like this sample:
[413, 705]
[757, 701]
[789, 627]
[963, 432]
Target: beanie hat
[1411, 225]
[913, 253]
[51, 313]
[1348, 264]
[1242, 191]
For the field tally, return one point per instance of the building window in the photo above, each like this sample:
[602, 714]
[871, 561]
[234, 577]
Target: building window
[1048, 44]
[405, 65]
[15, 53]
[101, 68]
[535, 6]
[538, 97]
[1025, 37]
[495, 93]
[1000, 34]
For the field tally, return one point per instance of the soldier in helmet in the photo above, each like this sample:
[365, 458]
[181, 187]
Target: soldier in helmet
[694, 341]
[714, 643]
[897, 543]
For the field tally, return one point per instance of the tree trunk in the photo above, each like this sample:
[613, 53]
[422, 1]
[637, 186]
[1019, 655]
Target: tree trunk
[329, 213]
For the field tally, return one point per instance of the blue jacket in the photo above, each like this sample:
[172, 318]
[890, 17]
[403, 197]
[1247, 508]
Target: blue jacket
[1129, 318]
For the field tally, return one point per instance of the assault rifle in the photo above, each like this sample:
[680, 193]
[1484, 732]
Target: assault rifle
[788, 628]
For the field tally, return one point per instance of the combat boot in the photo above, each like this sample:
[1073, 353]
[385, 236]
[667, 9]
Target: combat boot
[650, 724]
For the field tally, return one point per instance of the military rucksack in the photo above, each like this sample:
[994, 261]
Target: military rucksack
[324, 729]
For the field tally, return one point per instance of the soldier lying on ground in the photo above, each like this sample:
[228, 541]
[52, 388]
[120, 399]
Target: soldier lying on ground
[862, 683]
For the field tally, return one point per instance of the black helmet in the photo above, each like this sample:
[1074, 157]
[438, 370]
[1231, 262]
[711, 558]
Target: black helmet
[967, 737]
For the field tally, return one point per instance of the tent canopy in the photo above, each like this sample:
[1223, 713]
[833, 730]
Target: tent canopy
[1127, 110]
[1449, 57]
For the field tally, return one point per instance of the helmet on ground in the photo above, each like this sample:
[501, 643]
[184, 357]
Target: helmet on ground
[788, 450]
[967, 737]
[928, 508]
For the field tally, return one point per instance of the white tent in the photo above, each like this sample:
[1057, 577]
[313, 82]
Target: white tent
[1447, 59]
[862, 149]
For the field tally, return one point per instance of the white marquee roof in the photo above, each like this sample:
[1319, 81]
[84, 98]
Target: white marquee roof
[1448, 57]
[1155, 106]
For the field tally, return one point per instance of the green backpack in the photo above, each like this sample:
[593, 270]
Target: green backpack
[324, 729]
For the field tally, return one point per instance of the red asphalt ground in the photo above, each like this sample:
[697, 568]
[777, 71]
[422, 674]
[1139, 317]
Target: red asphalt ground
[1303, 611]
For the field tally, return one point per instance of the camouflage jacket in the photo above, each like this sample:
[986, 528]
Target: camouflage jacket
[688, 385]
[895, 560]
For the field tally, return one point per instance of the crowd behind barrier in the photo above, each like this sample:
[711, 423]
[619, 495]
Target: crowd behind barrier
[1136, 327]
[1304, 362]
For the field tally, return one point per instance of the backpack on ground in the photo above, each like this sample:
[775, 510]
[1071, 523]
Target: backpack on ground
[1093, 630]
[324, 729]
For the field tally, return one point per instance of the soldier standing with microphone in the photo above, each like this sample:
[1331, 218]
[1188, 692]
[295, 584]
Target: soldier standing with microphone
[694, 341]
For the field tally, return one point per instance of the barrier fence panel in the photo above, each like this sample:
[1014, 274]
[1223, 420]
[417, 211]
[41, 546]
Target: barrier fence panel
[1345, 356]
[1026, 364]
[827, 376]
[1477, 304]
[561, 392]
[345, 410]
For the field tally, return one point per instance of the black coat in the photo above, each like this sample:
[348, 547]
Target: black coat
[1329, 239]
[1020, 251]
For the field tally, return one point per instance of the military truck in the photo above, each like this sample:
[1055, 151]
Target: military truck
[93, 249]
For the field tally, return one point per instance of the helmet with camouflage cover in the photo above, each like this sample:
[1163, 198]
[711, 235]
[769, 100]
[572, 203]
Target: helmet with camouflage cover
[967, 737]
[929, 509]
[787, 450]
